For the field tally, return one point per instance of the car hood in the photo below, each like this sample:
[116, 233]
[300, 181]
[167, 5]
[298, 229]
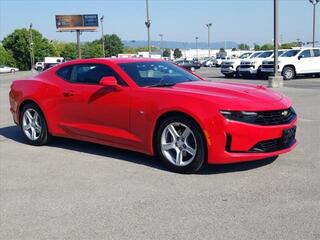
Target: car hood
[249, 61]
[234, 96]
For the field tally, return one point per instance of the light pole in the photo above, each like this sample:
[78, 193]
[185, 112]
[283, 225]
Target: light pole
[161, 39]
[148, 24]
[31, 48]
[197, 47]
[102, 37]
[276, 80]
[314, 3]
[209, 26]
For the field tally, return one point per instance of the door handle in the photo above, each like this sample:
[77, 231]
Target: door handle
[68, 93]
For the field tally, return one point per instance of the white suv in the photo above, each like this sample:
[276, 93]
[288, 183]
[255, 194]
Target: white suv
[295, 62]
[231, 67]
[253, 66]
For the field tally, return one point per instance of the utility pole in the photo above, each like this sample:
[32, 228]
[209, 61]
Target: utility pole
[78, 44]
[148, 24]
[209, 26]
[161, 39]
[314, 3]
[276, 80]
[102, 37]
[197, 47]
[31, 48]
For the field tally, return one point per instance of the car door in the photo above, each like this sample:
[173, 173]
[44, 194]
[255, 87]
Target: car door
[95, 111]
[305, 62]
[316, 61]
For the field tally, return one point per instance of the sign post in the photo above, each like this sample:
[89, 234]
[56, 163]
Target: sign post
[78, 24]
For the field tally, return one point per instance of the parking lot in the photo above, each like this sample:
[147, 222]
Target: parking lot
[77, 190]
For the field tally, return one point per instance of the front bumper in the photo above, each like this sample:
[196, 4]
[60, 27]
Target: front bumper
[227, 69]
[248, 71]
[244, 137]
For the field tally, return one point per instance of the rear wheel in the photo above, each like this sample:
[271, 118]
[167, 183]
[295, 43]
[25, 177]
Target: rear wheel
[33, 125]
[192, 69]
[288, 73]
[180, 145]
[12, 71]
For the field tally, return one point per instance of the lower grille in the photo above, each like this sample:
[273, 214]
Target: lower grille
[267, 66]
[246, 66]
[272, 145]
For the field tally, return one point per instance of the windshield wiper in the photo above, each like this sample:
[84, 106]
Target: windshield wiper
[162, 85]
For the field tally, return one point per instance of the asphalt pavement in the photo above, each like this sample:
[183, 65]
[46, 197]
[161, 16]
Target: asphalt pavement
[76, 190]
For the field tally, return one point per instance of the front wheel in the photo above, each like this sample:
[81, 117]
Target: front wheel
[12, 71]
[192, 69]
[288, 73]
[180, 145]
[33, 125]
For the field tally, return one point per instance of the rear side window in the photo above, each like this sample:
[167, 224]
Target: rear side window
[65, 73]
[306, 54]
[316, 52]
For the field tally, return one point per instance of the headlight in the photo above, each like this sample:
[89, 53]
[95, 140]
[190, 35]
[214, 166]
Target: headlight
[241, 116]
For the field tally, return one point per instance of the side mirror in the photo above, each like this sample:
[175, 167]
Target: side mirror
[109, 82]
[301, 56]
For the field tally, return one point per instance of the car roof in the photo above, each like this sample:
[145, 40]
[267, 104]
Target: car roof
[113, 60]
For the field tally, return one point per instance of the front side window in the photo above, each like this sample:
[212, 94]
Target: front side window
[306, 54]
[156, 73]
[265, 54]
[65, 72]
[290, 53]
[88, 73]
[256, 55]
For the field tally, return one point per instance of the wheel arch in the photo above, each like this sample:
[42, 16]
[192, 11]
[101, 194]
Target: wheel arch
[168, 114]
[30, 101]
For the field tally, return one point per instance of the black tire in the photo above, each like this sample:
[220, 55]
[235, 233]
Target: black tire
[288, 73]
[237, 72]
[200, 157]
[12, 71]
[229, 75]
[259, 74]
[44, 136]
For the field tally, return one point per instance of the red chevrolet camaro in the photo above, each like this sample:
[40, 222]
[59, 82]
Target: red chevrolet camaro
[157, 108]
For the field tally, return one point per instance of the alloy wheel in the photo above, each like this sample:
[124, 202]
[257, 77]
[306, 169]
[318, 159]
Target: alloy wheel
[178, 144]
[31, 124]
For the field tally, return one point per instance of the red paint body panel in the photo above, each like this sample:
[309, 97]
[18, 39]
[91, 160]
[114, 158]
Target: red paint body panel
[127, 118]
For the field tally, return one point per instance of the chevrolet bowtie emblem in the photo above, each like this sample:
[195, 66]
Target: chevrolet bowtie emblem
[284, 113]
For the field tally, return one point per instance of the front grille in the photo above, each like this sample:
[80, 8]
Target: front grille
[272, 145]
[246, 66]
[277, 117]
[226, 66]
[267, 66]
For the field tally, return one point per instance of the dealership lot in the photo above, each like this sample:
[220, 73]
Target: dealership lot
[76, 190]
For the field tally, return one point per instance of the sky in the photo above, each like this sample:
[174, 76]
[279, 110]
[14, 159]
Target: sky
[242, 21]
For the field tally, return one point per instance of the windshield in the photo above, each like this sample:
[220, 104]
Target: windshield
[290, 53]
[256, 54]
[147, 74]
[245, 55]
[265, 54]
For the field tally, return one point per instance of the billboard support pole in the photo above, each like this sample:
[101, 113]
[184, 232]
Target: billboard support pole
[276, 80]
[78, 44]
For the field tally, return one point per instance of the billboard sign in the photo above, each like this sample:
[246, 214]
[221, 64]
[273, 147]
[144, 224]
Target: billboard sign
[87, 22]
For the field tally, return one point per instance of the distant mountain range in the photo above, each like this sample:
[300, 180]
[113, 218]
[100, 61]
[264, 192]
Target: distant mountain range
[182, 45]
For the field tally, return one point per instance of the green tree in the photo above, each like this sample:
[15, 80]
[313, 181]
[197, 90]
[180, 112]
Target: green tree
[18, 43]
[289, 45]
[6, 57]
[257, 47]
[265, 47]
[244, 47]
[69, 51]
[177, 53]
[91, 50]
[112, 45]
[166, 53]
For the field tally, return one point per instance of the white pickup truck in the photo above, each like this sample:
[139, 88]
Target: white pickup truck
[229, 68]
[252, 66]
[295, 62]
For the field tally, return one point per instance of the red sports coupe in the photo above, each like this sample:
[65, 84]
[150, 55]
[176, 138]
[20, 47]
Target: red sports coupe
[154, 107]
